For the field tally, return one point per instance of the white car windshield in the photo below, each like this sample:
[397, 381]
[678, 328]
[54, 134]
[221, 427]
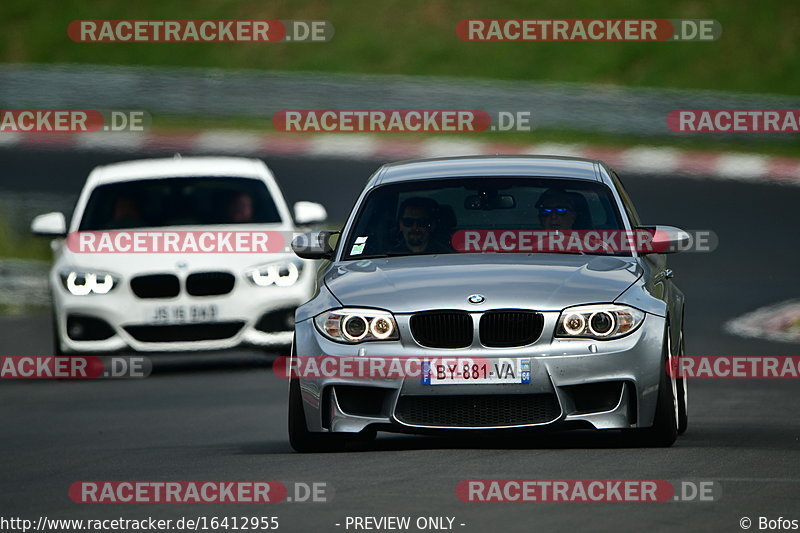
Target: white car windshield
[186, 201]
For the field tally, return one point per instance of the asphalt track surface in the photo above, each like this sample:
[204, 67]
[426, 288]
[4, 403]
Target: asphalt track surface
[223, 416]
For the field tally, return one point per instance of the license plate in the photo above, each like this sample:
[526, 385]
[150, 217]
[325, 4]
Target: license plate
[182, 314]
[478, 372]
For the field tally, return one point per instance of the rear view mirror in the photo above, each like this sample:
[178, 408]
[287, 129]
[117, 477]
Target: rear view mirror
[49, 225]
[488, 202]
[308, 213]
[314, 245]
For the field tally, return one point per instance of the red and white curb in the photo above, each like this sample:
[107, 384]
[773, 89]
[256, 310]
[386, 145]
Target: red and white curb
[778, 322]
[641, 159]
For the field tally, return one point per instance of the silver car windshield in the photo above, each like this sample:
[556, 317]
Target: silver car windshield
[430, 216]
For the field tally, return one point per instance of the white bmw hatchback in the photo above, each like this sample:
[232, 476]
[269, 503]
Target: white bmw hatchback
[168, 299]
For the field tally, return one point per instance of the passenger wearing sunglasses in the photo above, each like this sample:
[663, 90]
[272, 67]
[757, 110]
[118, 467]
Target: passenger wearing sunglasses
[418, 222]
[556, 210]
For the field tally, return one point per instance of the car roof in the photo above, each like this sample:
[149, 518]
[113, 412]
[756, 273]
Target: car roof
[170, 167]
[491, 165]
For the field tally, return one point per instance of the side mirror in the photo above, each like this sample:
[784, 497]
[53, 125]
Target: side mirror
[314, 245]
[308, 213]
[49, 225]
[664, 240]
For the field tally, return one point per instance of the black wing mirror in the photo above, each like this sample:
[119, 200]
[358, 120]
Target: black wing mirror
[314, 245]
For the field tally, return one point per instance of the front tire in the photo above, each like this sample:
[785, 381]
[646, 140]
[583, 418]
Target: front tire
[57, 350]
[300, 438]
[664, 430]
[683, 395]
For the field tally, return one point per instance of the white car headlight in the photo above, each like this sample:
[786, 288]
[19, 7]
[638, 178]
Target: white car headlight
[81, 283]
[599, 321]
[357, 325]
[281, 273]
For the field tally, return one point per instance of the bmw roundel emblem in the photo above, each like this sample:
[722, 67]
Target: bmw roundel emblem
[476, 299]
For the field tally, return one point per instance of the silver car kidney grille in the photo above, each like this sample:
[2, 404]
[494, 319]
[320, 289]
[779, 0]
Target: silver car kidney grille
[442, 329]
[498, 328]
[505, 329]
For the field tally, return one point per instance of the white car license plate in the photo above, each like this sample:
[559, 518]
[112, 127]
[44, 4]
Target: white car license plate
[182, 314]
[476, 372]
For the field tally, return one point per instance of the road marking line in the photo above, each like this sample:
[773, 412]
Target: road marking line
[741, 166]
[650, 159]
[777, 322]
[342, 145]
[228, 142]
[103, 140]
[447, 147]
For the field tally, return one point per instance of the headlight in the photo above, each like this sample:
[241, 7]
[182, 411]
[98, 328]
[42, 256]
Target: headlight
[281, 274]
[81, 283]
[602, 321]
[357, 325]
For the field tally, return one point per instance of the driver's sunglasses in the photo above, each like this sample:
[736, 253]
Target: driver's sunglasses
[419, 222]
[547, 211]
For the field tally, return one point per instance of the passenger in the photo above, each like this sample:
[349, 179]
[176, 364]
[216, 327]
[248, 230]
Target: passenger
[557, 210]
[240, 208]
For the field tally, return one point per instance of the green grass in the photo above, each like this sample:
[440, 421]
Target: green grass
[22, 245]
[758, 51]
[23, 309]
[15, 245]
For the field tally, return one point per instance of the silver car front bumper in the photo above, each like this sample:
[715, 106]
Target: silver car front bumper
[626, 370]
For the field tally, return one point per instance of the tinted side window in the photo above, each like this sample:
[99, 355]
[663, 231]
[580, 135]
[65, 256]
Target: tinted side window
[626, 200]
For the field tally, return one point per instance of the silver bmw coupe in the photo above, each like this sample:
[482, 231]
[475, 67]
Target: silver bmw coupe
[441, 308]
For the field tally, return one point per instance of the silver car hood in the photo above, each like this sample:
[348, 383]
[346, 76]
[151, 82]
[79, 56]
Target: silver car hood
[545, 282]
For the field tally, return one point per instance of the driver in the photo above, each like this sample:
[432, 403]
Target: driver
[418, 222]
[127, 213]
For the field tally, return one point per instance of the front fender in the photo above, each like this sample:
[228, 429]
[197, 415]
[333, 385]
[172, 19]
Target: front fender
[639, 297]
[322, 301]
